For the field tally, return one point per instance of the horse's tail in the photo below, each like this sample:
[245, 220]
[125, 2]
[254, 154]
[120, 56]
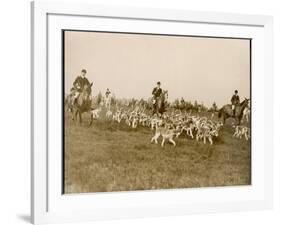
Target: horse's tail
[220, 113]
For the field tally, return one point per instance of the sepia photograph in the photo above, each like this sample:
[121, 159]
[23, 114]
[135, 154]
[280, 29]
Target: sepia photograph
[154, 111]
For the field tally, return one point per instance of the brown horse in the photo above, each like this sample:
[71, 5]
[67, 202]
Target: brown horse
[159, 107]
[82, 103]
[226, 111]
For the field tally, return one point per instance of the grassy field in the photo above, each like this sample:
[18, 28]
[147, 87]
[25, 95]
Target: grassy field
[114, 157]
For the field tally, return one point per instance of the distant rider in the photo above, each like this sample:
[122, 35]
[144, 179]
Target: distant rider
[78, 85]
[157, 91]
[107, 93]
[235, 100]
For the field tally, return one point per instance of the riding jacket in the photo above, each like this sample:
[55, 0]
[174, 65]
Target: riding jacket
[80, 82]
[156, 92]
[235, 100]
[107, 93]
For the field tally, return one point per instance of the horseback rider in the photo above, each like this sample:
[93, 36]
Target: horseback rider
[107, 93]
[235, 100]
[182, 103]
[157, 91]
[78, 85]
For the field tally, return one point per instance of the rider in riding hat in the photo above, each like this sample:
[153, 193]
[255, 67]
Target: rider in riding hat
[78, 85]
[157, 91]
[235, 100]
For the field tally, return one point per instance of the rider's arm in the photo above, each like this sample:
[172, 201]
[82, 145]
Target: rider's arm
[87, 82]
[76, 81]
[153, 91]
[232, 99]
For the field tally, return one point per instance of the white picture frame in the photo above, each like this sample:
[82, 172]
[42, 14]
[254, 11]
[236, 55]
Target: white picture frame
[46, 204]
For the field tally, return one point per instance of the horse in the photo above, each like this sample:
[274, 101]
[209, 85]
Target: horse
[107, 101]
[159, 106]
[226, 111]
[246, 114]
[82, 103]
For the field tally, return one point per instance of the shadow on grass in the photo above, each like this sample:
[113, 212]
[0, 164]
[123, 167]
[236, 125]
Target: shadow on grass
[25, 218]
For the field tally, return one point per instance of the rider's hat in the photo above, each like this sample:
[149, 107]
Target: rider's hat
[84, 71]
[235, 91]
[158, 82]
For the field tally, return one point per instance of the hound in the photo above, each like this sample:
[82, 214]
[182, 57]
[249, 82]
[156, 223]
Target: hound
[155, 122]
[118, 116]
[143, 120]
[167, 134]
[95, 114]
[241, 131]
[108, 114]
[205, 132]
[188, 127]
[134, 122]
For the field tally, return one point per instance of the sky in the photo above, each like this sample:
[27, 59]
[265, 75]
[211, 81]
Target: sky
[196, 68]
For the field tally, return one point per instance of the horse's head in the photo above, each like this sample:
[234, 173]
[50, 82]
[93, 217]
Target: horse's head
[248, 103]
[165, 95]
[245, 102]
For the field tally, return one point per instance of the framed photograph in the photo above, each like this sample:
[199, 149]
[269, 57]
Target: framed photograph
[142, 112]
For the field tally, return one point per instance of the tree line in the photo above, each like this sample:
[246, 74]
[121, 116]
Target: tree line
[179, 104]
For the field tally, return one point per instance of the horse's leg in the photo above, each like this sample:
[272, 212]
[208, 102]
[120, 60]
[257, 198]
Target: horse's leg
[72, 116]
[153, 111]
[80, 117]
[91, 119]
[75, 115]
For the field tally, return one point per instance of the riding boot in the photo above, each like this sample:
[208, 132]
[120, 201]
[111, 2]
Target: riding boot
[75, 101]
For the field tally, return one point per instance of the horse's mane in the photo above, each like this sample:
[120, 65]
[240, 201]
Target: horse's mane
[244, 103]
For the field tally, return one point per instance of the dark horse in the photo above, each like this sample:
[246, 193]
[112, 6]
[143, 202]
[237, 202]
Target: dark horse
[159, 107]
[83, 103]
[227, 112]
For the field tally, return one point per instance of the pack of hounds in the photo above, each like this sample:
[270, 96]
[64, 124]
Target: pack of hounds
[172, 125]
